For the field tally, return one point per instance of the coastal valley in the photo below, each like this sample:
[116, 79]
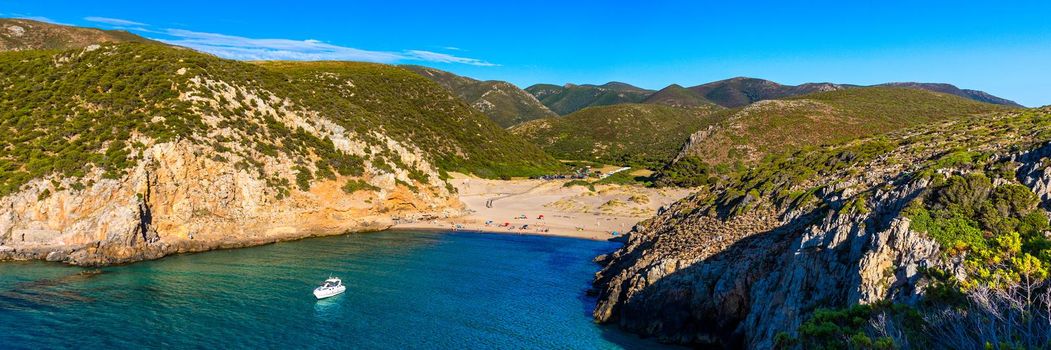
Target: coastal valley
[739, 213]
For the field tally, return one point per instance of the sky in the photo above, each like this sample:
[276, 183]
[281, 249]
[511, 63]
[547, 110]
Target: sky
[1001, 47]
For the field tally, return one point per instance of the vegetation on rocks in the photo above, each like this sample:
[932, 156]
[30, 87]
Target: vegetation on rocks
[358, 185]
[68, 112]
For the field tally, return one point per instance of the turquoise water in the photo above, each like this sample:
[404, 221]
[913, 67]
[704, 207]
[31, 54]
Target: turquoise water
[405, 290]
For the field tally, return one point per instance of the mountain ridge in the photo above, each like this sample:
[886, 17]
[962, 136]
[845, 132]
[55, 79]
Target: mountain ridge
[741, 91]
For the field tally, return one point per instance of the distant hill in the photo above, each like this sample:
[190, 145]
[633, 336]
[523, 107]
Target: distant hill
[741, 91]
[772, 126]
[571, 98]
[23, 34]
[677, 96]
[640, 134]
[953, 90]
[503, 102]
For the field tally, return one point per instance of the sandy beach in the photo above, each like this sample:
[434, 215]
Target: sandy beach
[547, 207]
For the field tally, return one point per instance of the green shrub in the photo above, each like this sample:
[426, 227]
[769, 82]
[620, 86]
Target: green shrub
[303, 177]
[357, 185]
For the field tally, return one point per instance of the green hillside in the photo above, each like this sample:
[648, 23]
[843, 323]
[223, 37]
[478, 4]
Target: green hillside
[571, 98]
[640, 134]
[503, 102]
[774, 126]
[23, 34]
[72, 112]
[424, 113]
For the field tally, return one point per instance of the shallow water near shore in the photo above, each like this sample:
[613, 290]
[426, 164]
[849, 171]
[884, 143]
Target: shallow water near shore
[406, 289]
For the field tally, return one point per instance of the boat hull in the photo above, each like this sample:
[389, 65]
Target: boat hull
[322, 293]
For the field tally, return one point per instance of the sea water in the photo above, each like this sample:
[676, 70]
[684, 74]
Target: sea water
[406, 289]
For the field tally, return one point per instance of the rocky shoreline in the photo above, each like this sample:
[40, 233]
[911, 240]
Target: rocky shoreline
[96, 254]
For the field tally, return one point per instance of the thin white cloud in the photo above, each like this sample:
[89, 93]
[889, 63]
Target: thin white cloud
[42, 19]
[114, 21]
[142, 29]
[446, 58]
[243, 48]
[452, 48]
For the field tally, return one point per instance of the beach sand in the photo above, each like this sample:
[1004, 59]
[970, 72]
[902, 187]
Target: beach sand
[567, 211]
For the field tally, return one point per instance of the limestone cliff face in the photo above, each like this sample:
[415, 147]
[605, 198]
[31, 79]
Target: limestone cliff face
[736, 272]
[179, 199]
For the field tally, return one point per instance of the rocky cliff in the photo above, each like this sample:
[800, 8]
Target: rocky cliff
[828, 227]
[119, 153]
[180, 199]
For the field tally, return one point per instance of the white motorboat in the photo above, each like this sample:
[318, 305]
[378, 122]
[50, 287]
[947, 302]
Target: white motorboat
[333, 286]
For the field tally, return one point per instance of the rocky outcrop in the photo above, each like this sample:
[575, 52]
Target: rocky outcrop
[696, 139]
[1035, 173]
[709, 271]
[740, 281]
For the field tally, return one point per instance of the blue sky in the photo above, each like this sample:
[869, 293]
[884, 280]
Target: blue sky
[1000, 47]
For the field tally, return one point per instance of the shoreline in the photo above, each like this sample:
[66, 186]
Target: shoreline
[546, 208]
[262, 243]
[450, 227]
[494, 232]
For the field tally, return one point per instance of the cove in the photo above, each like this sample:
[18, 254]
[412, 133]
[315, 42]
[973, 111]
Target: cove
[406, 289]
